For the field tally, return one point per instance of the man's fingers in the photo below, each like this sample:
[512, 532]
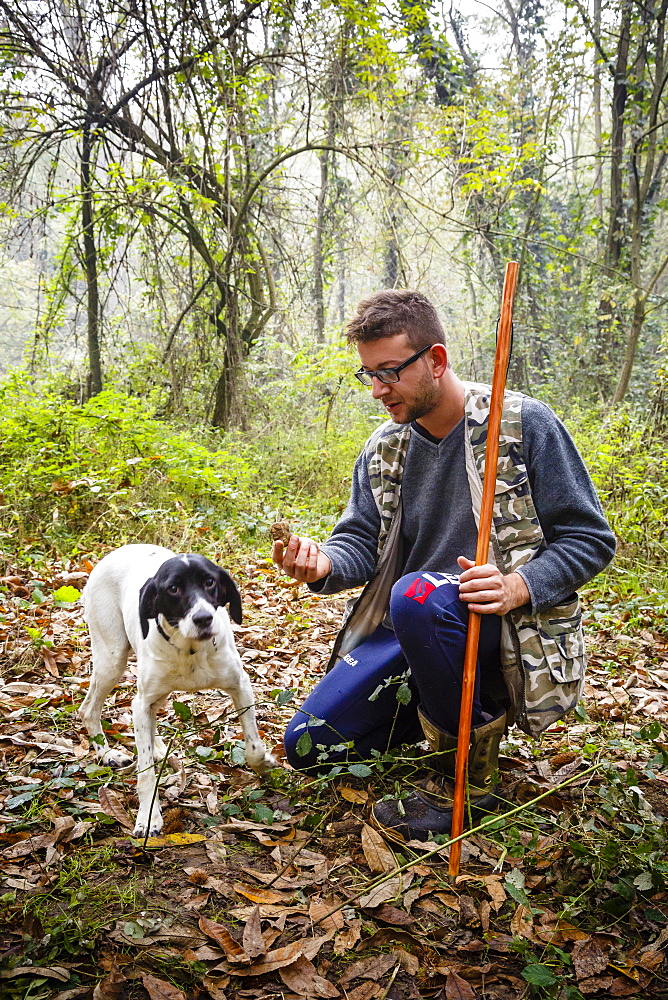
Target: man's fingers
[277, 553]
[480, 596]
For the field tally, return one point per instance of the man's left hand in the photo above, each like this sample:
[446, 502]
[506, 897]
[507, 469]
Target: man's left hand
[488, 592]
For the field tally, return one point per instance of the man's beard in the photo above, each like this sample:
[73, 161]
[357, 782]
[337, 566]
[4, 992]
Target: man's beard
[424, 402]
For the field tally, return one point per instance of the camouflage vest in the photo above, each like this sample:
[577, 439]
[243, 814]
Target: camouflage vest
[542, 654]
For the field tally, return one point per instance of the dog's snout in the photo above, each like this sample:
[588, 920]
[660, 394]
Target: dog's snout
[203, 619]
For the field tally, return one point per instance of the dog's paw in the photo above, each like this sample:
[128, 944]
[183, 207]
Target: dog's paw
[261, 762]
[143, 828]
[117, 759]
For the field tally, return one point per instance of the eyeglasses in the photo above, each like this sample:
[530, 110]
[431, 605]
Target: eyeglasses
[388, 374]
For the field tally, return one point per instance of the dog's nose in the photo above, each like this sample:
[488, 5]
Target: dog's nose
[203, 620]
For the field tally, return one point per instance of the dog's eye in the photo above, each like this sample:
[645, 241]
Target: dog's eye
[173, 588]
[210, 583]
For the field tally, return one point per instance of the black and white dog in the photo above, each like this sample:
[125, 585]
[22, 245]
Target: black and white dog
[171, 610]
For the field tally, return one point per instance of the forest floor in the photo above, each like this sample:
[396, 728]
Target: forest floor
[262, 888]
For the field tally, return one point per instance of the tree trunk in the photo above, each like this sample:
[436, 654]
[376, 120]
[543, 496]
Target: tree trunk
[90, 259]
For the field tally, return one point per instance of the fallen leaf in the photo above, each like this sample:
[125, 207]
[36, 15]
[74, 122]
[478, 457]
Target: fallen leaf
[261, 895]
[651, 959]
[53, 972]
[70, 994]
[381, 894]
[497, 893]
[221, 935]
[272, 961]
[353, 795]
[365, 991]
[379, 857]
[373, 967]
[253, 941]
[301, 977]
[169, 840]
[393, 915]
[111, 987]
[589, 958]
[521, 923]
[320, 912]
[346, 939]
[409, 963]
[457, 988]
[595, 984]
[111, 805]
[158, 989]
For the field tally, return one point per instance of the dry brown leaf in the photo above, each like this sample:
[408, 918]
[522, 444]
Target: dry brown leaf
[158, 989]
[497, 893]
[253, 941]
[320, 912]
[379, 857]
[346, 939]
[272, 961]
[221, 935]
[457, 988]
[651, 959]
[393, 915]
[365, 991]
[373, 967]
[409, 963]
[590, 957]
[301, 977]
[353, 795]
[485, 910]
[595, 984]
[52, 972]
[521, 923]
[111, 805]
[111, 987]
[262, 895]
[381, 894]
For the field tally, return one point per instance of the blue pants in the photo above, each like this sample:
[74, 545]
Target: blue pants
[369, 700]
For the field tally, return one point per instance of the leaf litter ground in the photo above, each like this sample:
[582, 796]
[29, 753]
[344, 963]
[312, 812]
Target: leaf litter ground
[281, 887]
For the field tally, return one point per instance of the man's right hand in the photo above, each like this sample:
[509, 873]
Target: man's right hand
[302, 559]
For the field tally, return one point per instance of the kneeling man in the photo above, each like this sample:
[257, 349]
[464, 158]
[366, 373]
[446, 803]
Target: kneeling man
[409, 533]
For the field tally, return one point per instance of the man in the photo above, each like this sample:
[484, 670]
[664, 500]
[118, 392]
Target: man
[410, 529]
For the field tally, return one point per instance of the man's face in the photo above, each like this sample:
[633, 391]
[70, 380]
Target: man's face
[416, 393]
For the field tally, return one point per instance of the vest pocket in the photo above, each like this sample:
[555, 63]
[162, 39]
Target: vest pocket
[553, 660]
[562, 639]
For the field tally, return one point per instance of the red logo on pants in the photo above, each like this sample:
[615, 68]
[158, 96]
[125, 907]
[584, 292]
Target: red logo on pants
[420, 590]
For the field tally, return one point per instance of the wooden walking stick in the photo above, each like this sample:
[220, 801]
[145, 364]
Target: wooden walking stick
[481, 557]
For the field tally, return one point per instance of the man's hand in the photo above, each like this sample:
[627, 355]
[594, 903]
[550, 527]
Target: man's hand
[488, 592]
[302, 559]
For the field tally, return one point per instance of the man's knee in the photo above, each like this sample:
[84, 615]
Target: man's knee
[424, 598]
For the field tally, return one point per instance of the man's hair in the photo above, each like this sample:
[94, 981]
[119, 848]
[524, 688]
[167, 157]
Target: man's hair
[396, 310]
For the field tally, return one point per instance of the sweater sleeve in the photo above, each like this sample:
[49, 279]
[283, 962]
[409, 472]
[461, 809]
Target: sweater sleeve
[353, 543]
[579, 541]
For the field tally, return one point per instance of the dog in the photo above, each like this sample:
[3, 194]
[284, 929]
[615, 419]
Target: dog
[171, 610]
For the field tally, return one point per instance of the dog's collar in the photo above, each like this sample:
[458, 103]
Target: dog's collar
[163, 633]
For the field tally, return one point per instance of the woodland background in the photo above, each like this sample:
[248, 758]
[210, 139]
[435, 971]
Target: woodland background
[193, 197]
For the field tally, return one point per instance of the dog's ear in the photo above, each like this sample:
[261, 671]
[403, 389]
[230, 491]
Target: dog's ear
[147, 604]
[228, 593]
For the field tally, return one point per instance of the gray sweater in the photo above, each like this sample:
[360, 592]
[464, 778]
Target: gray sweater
[438, 523]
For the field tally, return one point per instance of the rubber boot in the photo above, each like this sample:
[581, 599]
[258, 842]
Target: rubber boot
[427, 811]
